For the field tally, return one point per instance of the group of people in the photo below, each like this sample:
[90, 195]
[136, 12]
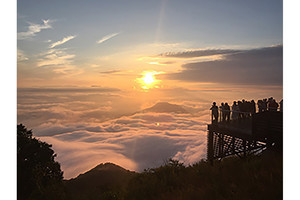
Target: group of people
[243, 109]
[269, 104]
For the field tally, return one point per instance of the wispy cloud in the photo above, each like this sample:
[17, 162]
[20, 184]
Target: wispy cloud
[107, 37]
[21, 56]
[59, 61]
[198, 53]
[56, 57]
[33, 29]
[64, 40]
[110, 72]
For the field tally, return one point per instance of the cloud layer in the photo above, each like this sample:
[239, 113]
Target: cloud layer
[255, 67]
[88, 126]
[135, 142]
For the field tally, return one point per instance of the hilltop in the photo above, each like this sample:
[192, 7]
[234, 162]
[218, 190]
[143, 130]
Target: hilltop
[103, 180]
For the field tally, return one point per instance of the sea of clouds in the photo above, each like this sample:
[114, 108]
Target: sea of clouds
[85, 129]
[136, 142]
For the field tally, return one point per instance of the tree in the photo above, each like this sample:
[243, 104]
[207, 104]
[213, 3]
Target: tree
[38, 175]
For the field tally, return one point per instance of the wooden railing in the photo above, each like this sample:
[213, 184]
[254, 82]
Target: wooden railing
[248, 133]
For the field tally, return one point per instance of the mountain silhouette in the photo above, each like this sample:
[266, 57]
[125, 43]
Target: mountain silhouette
[95, 182]
[165, 107]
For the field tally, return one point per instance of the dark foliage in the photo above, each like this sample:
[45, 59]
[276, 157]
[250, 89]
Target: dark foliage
[233, 178]
[256, 177]
[38, 175]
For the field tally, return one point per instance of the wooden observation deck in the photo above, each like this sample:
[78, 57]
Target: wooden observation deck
[246, 135]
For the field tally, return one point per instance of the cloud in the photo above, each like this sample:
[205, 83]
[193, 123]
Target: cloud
[144, 140]
[69, 90]
[254, 67]
[107, 37]
[21, 56]
[55, 57]
[83, 133]
[60, 60]
[80, 157]
[64, 40]
[38, 106]
[198, 53]
[110, 72]
[33, 29]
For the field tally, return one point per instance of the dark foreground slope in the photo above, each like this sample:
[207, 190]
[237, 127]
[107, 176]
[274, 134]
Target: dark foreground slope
[257, 177]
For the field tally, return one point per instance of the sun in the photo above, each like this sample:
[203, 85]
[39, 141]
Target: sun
[148, 80]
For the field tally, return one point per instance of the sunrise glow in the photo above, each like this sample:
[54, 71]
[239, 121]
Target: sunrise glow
[132, 82]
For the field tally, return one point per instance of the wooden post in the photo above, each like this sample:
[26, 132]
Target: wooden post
[221, 144]
[244, 147]
[210, 147]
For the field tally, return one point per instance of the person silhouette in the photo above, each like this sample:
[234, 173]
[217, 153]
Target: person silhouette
[264, 105]
[235, 111]
[240, 109]
[253, 107]
[226, 112]
[259, 105]
[222, 116]
[273, 105]
[215, 113]
[281, 105]
[243, 108]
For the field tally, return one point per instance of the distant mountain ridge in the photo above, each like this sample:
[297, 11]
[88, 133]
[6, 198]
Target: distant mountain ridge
[165, 107]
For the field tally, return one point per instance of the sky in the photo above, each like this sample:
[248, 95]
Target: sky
[84, 66]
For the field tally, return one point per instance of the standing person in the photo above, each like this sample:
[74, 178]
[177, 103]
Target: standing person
[269, 103]
[253, 107]
[264, 105]
[240, 109]
[273, 105]
[248, 108]
[281, 105]
[259, 105]
[222, 112]
[235, 111]
[243, 109]
[227, 112]
[214, 112]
